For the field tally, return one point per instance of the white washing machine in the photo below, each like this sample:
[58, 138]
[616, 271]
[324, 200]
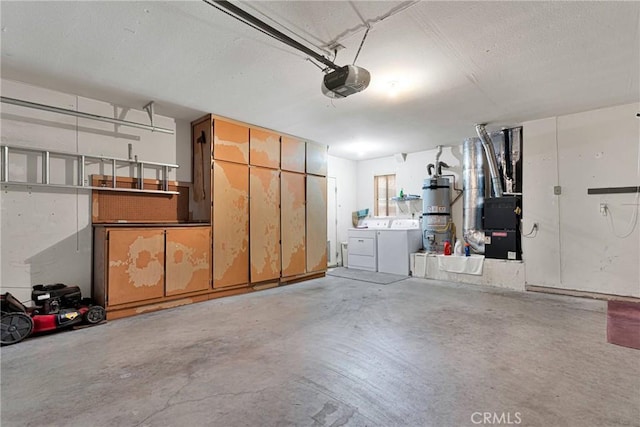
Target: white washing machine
[396, 244]
[362, 248]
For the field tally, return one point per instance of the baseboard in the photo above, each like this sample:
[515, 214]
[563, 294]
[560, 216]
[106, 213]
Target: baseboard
[580, 294]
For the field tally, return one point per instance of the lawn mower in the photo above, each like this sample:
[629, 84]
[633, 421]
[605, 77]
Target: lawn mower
[56, 307]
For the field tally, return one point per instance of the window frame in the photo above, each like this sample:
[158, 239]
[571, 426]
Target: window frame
[390, 193]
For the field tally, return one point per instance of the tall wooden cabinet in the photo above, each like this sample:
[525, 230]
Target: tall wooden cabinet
[266, 199]
[316, 223]
[316, 167]
[265, 224]
[294, 236]
[230, 224]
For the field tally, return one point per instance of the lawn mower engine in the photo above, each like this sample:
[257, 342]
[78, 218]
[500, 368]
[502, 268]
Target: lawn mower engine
[56, 306]
[50, 299]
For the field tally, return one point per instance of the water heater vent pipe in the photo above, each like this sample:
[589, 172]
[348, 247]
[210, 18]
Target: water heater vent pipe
[487, 144]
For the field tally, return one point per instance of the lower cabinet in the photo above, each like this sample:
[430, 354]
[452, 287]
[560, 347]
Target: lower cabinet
[187, 260]
[138, 266]
[135, 265]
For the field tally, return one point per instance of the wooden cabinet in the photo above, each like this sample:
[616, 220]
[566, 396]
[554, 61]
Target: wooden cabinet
[230, 141]
[293, 219]
[230, 224]
[264, 241]
[316, 159]
[292, 154]
[137, 266]
[187, 260]
[264, 200]
[316, 223]
[264, 148]
[265, 196]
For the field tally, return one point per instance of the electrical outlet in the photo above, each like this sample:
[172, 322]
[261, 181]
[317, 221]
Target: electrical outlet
[603, 209]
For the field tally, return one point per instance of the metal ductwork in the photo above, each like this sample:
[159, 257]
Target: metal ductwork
[487, 144]
[473, 197]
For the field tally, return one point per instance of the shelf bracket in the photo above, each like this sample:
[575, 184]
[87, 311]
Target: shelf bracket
[149, 109]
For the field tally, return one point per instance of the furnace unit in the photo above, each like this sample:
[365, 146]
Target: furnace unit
[502, 228]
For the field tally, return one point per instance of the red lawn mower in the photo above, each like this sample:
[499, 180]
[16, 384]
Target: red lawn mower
[56, 307]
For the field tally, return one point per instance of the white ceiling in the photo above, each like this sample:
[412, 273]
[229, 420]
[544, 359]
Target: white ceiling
[455, 63]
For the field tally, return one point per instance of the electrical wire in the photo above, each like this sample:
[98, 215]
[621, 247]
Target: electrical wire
[361, 43]
[450, 226]
[530, 235]
[632, 222]
[324, 70]
[457, 190]
[634, 216]
[369, 22]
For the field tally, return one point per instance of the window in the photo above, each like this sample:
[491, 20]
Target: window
[384, 188]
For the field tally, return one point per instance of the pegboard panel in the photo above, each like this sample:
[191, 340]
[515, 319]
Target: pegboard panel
[118, 207]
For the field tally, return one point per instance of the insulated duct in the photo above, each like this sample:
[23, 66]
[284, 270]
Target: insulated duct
[487, 144]
[473, 196]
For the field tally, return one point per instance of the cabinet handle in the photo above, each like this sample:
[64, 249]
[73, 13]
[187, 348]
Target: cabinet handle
[360, 240]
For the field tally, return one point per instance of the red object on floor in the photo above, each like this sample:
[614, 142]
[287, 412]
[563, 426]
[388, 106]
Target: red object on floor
[623, 323]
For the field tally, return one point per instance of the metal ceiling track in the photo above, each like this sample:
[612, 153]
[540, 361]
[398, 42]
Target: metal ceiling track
[43, 107]
[82, 160]
[260, 25]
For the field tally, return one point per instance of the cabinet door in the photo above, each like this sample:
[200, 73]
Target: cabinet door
[316, 159]
[230, 142]
[201, 137]
[293, 154]
[264, 148]
[188, 260]
[316, 223]
[293, 224]
[135, 265]
[264, 243]
[230, 224]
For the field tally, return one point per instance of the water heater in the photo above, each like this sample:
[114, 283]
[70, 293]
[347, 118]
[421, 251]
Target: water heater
[436, 213]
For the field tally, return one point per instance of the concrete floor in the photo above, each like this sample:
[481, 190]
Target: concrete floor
[332, 352]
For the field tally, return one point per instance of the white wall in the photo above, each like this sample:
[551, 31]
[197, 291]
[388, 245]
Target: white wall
[45, 233]
[410, 175]
[344, 171]
[575, 247]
